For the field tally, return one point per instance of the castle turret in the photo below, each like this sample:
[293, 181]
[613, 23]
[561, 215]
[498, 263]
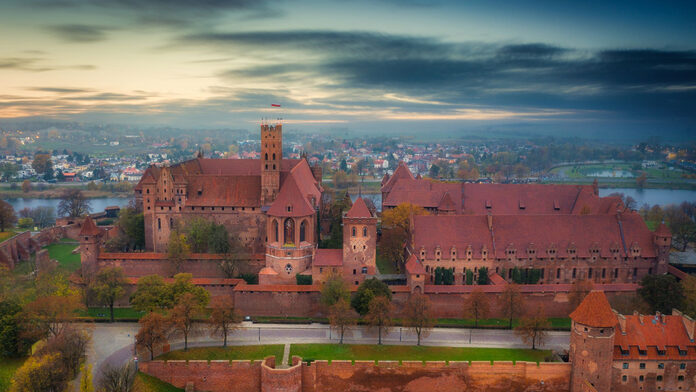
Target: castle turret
[271, 159]
[592, 343]
[663, 242]
[90, 237]
[359, 242]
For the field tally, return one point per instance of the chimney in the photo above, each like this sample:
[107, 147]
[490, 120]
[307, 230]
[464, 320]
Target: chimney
[689, 324]
[640, 319]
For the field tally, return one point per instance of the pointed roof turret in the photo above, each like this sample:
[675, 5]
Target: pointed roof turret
[359, 210]
[385, 178]
[290, 201]
[413, 266]
[663, 230]
[595, 311]
[89, 228]
[401, 171]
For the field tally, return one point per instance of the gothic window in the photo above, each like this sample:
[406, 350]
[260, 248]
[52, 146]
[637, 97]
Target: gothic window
[266, 157]
[353, 232]
[275, 230]
[364, 231]
[159, 224]
[289, 231]
[171, 223]
[274, 156]
[303, 231]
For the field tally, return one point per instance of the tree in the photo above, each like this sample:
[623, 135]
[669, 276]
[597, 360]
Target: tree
[400, 215]
[369, 289]
[12, 342]
[117, 379]
[235, 255]
[40, 374]
[334, 289]
[42, 163]
[183, 315]
[223, 317]
[86, 384]
[197, 233]
[182, 285]
[178, 250]
[132, 225]
[8, 170]
[26, 186]
[683, 229]
[7, 215]
[641, 180]
[73, 204]
[392, 244]
[662, 292]
[483, 276]
[341, 316]
[150, 294]
[153, 332]
[578, 292]
[109, 286]
[418, 316]
[379, 315]
[511, 302]
[47, 316]
[533, 329]
[477, 307]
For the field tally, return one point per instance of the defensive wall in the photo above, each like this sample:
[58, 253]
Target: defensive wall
[257, 376]
[21, 246]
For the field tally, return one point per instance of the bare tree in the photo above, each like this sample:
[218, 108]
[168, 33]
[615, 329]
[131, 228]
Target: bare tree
[341, 316]
[511, 302]
[534, 329]
[118, 378]
[183, 315]
[223, 317]
[153, 331]
[379, 315]
[73, 204]
[477, 306]
[418, 316]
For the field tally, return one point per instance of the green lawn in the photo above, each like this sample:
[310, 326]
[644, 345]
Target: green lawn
[62, 251]
[230, 353]
[8, 366]
[384, 266]
[560, 322]
[413, 353]
[119, 313]
[147, 383]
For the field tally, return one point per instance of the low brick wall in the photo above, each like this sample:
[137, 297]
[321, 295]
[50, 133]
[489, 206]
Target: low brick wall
[339, 376]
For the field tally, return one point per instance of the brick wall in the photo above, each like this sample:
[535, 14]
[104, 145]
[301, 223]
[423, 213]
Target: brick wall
[141, 264]
[213, 376]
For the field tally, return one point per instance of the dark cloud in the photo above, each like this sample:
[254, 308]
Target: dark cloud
[80, 32]
[60, 90]
[23, 64]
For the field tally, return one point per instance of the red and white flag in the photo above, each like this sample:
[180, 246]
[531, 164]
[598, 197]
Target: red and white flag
[275, 105]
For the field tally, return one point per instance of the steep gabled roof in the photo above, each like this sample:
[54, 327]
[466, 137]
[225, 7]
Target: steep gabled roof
[401, 172]
[359, 210]
[663, 230]
[290, 197]
[89, 228]
[446, 203]
[413, 266]
[595, 311]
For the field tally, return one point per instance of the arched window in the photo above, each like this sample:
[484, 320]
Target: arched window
[353, 232]
[274, 156]
[266, 156]
[159, 224]
[171, 223]
[275, 230]
[364, 231]
[289, 231]
[303, 231]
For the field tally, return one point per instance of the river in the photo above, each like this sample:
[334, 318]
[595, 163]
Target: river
[642, 196]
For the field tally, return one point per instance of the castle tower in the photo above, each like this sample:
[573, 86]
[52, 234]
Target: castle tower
[663, 241]
[592, 343]
[90, 237]
[359, 242]
[271, 158]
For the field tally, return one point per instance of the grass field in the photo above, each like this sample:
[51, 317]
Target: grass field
[6, 234]
[385, 266]
[8, 366]
[413, 353]
[147, 383]
[558, 323]
[62, 251]
[229, 353]
[119, 313]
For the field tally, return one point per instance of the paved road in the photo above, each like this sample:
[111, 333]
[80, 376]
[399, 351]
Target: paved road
[112, 344]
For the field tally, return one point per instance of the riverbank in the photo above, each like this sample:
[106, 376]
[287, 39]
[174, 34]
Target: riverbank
[57, 193]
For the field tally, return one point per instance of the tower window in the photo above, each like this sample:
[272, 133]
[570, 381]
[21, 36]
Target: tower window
[353, 232]
[364, 231]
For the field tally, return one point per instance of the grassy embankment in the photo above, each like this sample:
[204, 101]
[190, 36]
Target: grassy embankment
[8, 367]
[6, 234]
[229, 353]
[147, 383]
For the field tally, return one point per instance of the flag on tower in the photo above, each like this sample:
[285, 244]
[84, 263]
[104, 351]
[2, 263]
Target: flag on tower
[275, 105]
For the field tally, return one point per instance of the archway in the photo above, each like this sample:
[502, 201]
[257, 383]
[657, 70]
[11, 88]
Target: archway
[289, 231]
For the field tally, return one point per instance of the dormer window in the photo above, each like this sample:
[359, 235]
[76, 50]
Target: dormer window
[642, 352]
[488, 205]
[288, 208]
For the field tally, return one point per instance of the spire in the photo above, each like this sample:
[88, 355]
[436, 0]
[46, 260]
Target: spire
[359, 210]
[663, 230]
[595, 311]
[89, 228]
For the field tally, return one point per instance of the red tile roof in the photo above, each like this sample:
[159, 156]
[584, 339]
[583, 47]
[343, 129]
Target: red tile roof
[666, 333]
[89, 228]
[413, 266]
[359, 210]
[594, 311]
[663, 230]
[328, 258]
[400, 172]
[446, 203]
[292, 198]
[527, 288]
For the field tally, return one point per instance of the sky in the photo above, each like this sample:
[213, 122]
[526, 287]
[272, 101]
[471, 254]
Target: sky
[597, 68]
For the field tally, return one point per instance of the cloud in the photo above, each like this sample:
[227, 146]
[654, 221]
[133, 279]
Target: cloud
[59, 90]
[80, 32]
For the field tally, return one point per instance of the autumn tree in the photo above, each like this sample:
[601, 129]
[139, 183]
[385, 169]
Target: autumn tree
[47, 316]
[7, 215]
[108, 286]
[511, 302]
[641, 180]
[662, 292]
[379, 315]
[73, 203]
[235, 254]
[178, 250]
[341, 317]
[184, 314]
[153, 332]
[151, 293]
[334, 289]
[578, 292]
[183, 285]
[86, 384]
[534, 329]
[477, 306]
[418, 316]
[392, 244]
[223, 317]
[26, 186]
[400, 215]
[117, 378]
[40, 374]
[42, 163]
[683, 229]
